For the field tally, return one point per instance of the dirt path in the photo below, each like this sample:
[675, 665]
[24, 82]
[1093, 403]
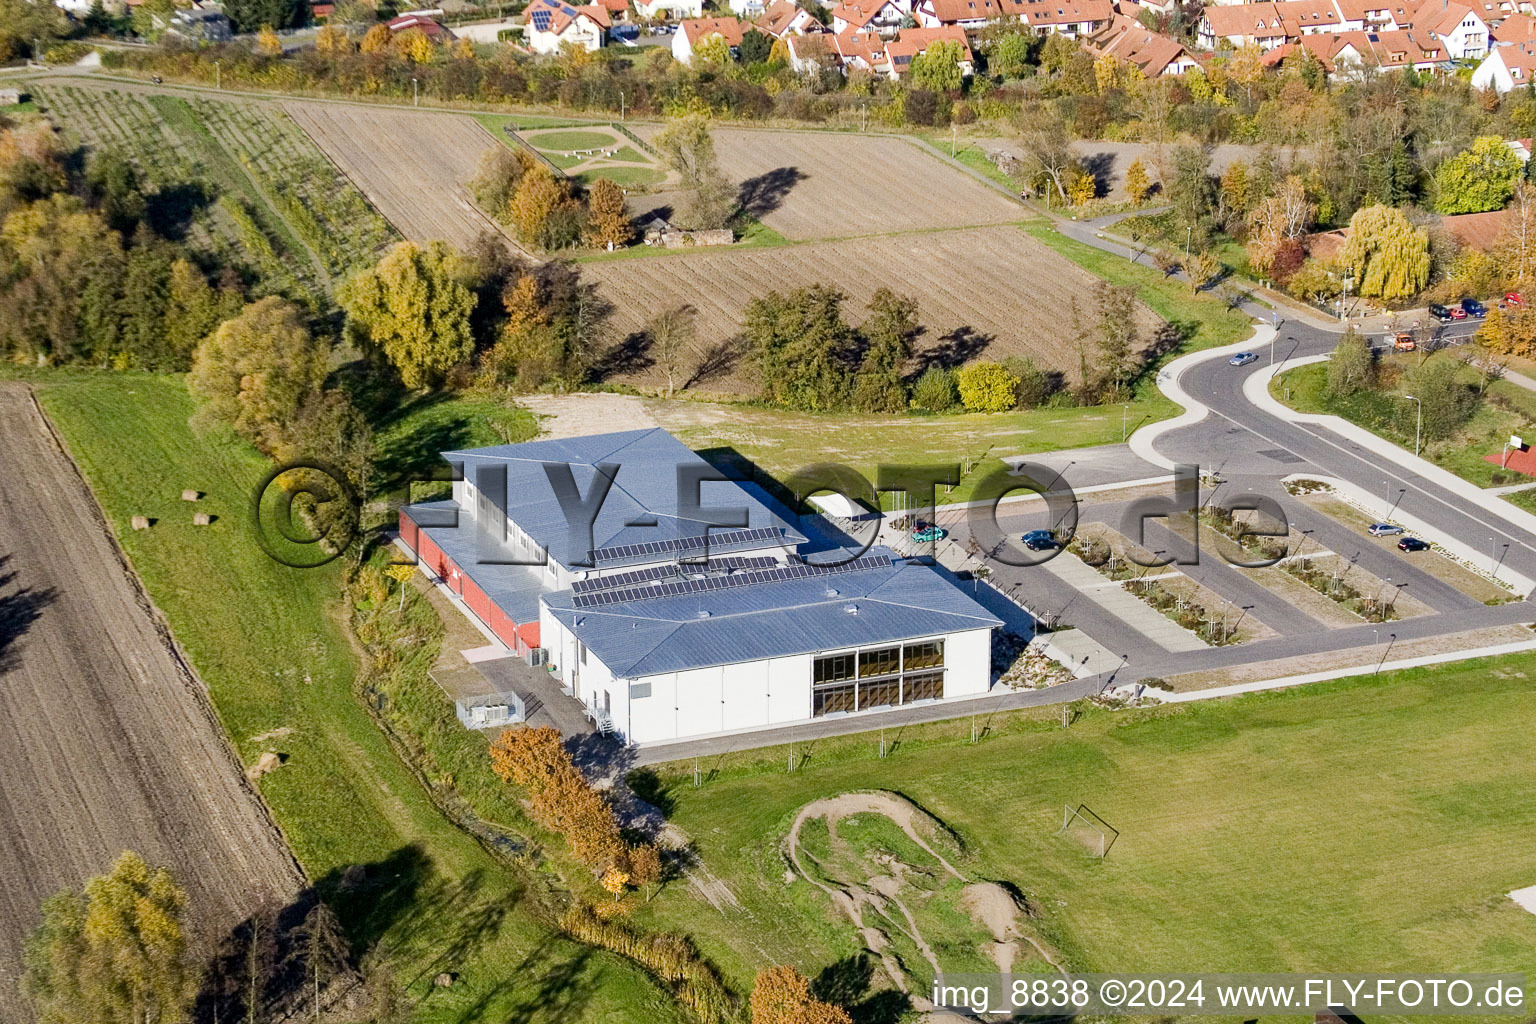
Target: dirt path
[989, 904]
[107, 739]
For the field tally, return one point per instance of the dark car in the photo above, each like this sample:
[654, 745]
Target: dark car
[1439, 312]
[1412, 544]
[1041, 540]
[1473, 308]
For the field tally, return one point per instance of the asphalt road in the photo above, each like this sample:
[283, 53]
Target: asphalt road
[105, 739]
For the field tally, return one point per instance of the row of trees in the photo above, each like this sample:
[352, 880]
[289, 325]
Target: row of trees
[117, 952]
[562, 800]
[547, 210]
[85, 277]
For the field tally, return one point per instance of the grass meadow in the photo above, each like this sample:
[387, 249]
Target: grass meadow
[269, 642]
[1360, 825]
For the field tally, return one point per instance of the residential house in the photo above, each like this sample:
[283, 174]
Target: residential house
[1131, 41]
[1507, 67]
[661, 628]
[1240, 25]
[746, 8]
[901, 51]
[783, 17]
[201, 26]
[618, 10]
[1462, 30]
[692, 32]
[1305, 17]
[656, 10]
[550, 24]
[1357, 53]
[423, 23]
[880, 16]
[1060, 17]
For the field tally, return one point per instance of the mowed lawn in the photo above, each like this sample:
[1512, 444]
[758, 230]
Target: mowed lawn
[1361, 825]
[269, 642]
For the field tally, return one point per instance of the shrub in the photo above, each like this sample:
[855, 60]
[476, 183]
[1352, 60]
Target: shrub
[986, 387]
[935, 390]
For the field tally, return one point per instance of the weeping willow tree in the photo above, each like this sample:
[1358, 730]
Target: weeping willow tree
[1386, 256]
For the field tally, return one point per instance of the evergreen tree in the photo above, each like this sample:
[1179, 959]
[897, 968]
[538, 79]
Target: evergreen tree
[801, 344]
[878, 385]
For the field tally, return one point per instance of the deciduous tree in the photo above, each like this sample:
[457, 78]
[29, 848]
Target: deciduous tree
[938, 67]
[415, 308]
[114, 954]
[878, 385]
[687, 147]
[1352, 367]
[1138, 185]
[1386, 255]
[257, 370]
[674, 337]
[1478, 179]
[801, 345]
[986, 387]
[608, 224]
[782, 995]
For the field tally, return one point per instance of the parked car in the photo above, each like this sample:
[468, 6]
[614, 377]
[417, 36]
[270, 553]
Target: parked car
[1243, 359]
[1404, 342]
[1384, 530]
[1512, 300]
[1439, 312]
[1412, 544]
[1473, 308]
[1041, 540]
[927, 533]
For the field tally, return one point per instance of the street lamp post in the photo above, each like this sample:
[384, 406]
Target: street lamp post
[415, 93]
[217, 76]
[1125, 410]
[621, 106]
[1418, 430]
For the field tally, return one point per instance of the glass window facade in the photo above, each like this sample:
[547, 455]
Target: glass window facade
[877, 677]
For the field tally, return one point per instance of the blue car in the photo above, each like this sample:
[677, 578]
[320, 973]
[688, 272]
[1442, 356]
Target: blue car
[928, 533]
[1041, 540]
[1243, 359]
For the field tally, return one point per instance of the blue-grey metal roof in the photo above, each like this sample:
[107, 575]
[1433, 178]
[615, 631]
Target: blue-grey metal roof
[515, 589]
[884, 603]
[641, 507]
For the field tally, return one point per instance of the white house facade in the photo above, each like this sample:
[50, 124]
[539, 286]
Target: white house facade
[665, 627]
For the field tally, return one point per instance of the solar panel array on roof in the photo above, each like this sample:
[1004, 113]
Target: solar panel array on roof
[684, 545]
[620, 580]
[541, 20]
[650, 591]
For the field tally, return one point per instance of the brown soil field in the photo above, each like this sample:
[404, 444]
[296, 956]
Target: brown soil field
[108, 741]
[414, 167]
[983, 292]
[808, 185]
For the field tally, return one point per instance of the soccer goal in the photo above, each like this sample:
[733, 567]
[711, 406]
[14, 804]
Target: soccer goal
[1096, 834]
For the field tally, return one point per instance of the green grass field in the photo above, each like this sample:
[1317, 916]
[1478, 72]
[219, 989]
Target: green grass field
[559, 142]
[1364, 824]
[269, 642]
[624, 176]
[1507, 409]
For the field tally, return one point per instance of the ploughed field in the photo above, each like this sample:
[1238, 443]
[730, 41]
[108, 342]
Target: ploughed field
[414, 167]
[984, 292]
[808, 185]
[108, 742]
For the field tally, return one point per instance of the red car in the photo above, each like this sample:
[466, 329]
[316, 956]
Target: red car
[1457, 313]
[1512, 300]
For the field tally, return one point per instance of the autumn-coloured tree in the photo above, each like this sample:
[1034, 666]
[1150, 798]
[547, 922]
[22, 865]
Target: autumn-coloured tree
[1138, 185]
[257, 370]
[415, 45]
[1201, 268]
[1083, 188]
[539, 200]
[673, 334]
[1387, 256]
[1282, 216]
[267, 42]
[608, 224]
[114, 954]
[645, 867]
[615, 881]
[782, 995]
[333, 39]
[559, 797]
[377, 39]
[414, 307]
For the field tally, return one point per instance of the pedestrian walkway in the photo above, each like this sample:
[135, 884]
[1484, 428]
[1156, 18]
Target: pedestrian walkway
[1081, 652]
[1135, 613]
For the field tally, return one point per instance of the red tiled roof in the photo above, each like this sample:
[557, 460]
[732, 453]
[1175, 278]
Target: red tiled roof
[697, 29]
[1050, 12]
[1132, 41]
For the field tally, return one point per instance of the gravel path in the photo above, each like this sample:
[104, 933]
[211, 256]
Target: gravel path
[107, 740]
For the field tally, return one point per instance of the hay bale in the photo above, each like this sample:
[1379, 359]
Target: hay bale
[201, 519]
[191, 495]
[141, 522]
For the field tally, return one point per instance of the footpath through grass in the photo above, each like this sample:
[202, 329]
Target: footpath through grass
[1360, 825]
[269, 642]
